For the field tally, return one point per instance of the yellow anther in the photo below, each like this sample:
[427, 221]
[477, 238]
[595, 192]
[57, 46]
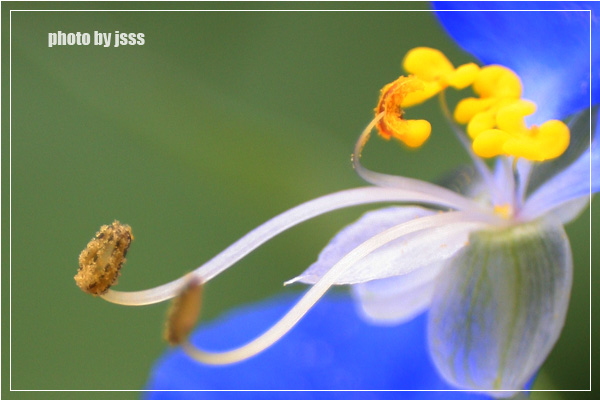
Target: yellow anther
[101, 261]
[481, 122]
[504, 210]
[412, 132]
[536, 144]
[505, 114]
[548, 141]
[469, 107]
[433, 68]
[497, 87]
[498, 82]
[184, 312]
[490, 143]
[511, 118]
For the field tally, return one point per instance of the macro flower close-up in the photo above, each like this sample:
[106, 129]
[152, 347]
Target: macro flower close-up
[462, 285]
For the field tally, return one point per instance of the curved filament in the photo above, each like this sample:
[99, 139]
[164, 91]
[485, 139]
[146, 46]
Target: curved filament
[282, 222]
[306, 302]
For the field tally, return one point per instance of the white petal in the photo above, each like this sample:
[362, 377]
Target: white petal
[500, 305]
[397, 257]
[398, 299]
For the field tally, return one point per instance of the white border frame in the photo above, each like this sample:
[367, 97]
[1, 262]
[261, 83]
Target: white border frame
[589, 11]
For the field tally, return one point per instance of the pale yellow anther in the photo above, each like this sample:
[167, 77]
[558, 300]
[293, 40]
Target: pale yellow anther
[432, 67]
[504, 210]
[412, 132]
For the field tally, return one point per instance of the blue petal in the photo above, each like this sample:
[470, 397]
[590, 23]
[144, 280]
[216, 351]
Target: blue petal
[549, 50]
[331, 348]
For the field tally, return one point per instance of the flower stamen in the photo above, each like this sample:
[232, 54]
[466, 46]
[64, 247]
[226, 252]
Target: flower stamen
[306, 302]
[425, 194]
[101, 261]
[184, 312]
[412, 132]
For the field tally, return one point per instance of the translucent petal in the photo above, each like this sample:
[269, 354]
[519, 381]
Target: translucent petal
[554, 45]
[398, 257]
[570, 210]
[500, 306]
[398, 299]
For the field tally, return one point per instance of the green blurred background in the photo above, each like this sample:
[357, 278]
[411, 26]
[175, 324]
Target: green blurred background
[219, 122]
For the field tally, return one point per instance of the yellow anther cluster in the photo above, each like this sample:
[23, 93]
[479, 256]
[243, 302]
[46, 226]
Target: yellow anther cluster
[494, 119]
[496, 87]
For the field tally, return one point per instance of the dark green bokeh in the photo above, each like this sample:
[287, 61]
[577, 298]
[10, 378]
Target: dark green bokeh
[219, 122]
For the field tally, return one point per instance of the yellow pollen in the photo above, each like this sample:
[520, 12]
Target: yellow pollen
[504, 210]
[101, 261]
[412, 132]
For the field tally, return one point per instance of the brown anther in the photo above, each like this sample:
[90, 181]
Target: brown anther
[101, 261]
[184, 312]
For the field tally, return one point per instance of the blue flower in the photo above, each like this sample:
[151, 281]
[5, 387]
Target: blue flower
[493, 270]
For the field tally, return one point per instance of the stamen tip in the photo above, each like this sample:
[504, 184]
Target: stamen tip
[101, 261]
[184, 312]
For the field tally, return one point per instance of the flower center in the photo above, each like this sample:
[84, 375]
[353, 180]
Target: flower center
[495, 120]
[504, 210]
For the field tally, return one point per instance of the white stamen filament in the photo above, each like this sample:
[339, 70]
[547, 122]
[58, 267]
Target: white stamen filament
[523, 168]
[510, 196]
[284, 221]
[385, 180]
[480, 166]
[306, 302]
